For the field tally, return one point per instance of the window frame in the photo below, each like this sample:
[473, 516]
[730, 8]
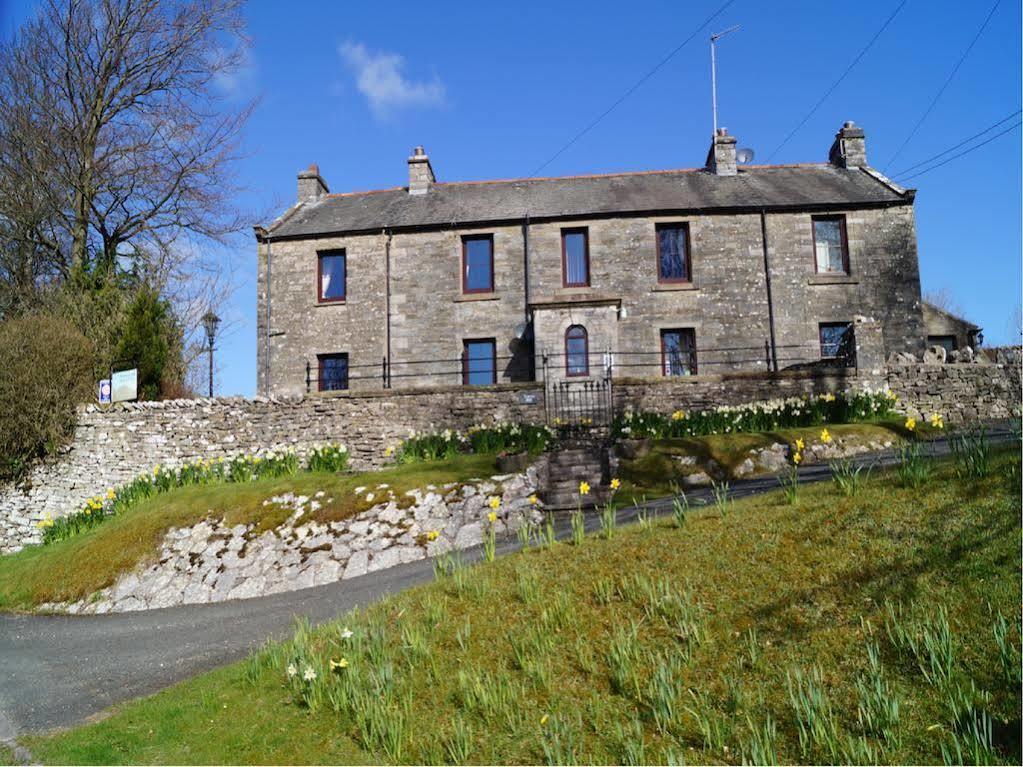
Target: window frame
[820, 336]
[585, 232]
[688, 261]
[694, 367]
[466, 238]
[465, 359]
[320, 255]
[586, 352]
[320, 359]
[840, 218]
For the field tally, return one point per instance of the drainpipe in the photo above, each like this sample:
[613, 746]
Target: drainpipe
[525, 291]
[266, 355]
[387, 306]
[767, 282]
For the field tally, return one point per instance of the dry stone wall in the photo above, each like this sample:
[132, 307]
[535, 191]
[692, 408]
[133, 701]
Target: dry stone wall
[113, 446]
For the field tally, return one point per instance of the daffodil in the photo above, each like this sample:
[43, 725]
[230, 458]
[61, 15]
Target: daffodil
[533, 500]
[800, 445]
[337, 665]
[309, 674]
[797, 458]
[492, 517]
[111, 494]
[937, 421]
[346, 633]
[678, 415]
[826, 437]
[389, 451]
[543, 720]
[911, 423]
[432, 535]
[495, 502]
[292, 670]
[584, 488]
[616, 483]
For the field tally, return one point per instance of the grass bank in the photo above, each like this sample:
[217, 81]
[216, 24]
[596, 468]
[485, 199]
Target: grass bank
[837, 629]
[76, 567]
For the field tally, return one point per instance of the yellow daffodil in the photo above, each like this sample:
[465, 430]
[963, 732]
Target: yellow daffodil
[829, 397]
[892, 395]
[678, 415]
[432, 535]
[337, 665]
[495, 502]
[800, 445]
[616, 483]
[492, 517]
[389, 451]
[533, 500]
[797, 458]
[937, 421]
[826, 437]
[110, 494]
[911, 423]
[584, 488]
[543, 720]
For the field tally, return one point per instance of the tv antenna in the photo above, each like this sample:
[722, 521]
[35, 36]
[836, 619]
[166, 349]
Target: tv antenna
[714, 75]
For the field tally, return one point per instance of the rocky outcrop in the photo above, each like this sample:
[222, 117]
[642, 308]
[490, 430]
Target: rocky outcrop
[213, 562]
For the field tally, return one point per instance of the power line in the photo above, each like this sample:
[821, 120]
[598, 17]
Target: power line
[632, 89]
[948, 80]
[838, 82]
[988, 129]
[964, 152]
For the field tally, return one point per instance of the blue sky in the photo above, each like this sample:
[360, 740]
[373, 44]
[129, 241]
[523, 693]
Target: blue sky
[493, 90]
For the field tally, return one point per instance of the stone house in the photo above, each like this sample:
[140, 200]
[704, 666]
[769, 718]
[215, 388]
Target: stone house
[949, 331]
[663, 273]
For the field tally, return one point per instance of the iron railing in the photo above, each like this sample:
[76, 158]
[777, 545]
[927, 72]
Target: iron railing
[559, 366]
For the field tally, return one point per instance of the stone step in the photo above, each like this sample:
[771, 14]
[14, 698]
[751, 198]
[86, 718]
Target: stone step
[569, 499]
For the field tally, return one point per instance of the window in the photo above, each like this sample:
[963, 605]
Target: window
[949, 343]
[832, 335]
[673, 253]
[575, 258]
[577, 351]
[333, 372]
[830, 246]
[479, 362]
[331, 276]
[478, 264]
[678, 352]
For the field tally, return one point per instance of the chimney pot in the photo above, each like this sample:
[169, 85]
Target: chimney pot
[310, 184]
[420, 172]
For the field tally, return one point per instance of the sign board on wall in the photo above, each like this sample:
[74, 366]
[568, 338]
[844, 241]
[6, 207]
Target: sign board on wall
[104, 391]
[124, 385]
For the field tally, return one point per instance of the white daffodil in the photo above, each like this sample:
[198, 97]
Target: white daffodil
[292, 670]
[346, 633]
[309, 674]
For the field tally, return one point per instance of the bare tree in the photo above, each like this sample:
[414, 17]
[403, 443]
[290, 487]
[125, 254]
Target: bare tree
[109, 114]
[943, 299]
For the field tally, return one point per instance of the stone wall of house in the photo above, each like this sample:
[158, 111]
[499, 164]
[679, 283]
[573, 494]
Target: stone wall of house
[724, 303]
[113, 446]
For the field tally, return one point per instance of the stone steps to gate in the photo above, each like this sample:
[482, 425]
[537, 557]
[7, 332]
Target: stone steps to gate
[572, 462]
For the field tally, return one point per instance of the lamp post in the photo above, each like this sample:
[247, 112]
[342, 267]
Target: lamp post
[210, 322]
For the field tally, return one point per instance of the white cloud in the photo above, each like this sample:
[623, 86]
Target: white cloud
[378, 77]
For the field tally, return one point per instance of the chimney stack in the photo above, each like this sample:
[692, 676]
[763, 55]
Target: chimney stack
[310, 184]
[721, 157]
[420, 172]
[850, 147]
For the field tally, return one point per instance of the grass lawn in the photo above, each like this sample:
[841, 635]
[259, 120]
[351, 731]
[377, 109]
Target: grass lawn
[74, 568]
[659, 644]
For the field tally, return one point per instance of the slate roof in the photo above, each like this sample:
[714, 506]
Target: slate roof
[777, 187]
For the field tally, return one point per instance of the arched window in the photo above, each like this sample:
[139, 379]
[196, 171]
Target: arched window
[577, 351]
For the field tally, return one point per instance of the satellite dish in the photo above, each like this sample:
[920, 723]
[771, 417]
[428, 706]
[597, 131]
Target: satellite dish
[744, 156]
[520, 330]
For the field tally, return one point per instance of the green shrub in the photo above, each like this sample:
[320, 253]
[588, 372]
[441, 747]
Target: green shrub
[45, 372]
